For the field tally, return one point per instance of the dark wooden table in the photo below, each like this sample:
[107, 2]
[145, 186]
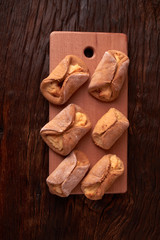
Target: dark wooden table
[27, 210]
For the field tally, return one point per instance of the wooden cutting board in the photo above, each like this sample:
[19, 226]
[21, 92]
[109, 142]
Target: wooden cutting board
[64, 43]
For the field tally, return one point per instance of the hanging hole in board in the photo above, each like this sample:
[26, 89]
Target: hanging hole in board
[89, 52]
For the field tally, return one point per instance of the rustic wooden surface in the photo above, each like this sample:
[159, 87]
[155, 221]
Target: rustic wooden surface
[95, 109]
[27, 210]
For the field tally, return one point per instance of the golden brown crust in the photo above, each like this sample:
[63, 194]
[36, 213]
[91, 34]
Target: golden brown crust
[102, 176]
[109, 128]
[70, 74]
[68, 174]
[109, 76]
[64, 131]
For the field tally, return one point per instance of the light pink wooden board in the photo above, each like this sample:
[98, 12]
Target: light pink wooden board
[64, 43]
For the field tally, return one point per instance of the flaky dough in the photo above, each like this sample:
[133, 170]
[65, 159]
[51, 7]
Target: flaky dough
[70, 74]
[102, 176]
[68, 174]
[109, 128]
[66, 129]
[109, 76]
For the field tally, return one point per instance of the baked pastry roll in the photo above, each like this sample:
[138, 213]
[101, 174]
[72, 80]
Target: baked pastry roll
[109, 76]
[65, 130]
[102, 176]
[64, 80]
[68, 174]
[109, 128]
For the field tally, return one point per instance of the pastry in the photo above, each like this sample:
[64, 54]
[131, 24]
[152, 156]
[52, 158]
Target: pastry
[64, 80]
[109, 128]
[109, 76]
[102, 176]
[68, 174]
[65, 130]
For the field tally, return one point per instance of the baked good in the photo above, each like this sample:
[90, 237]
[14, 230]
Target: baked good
[109, 76]
[68, 174]
[65, 130]
[102, 176]
[64, 80]
[109, 128]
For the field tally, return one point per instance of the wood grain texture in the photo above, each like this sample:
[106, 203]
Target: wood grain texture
[27, 210]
